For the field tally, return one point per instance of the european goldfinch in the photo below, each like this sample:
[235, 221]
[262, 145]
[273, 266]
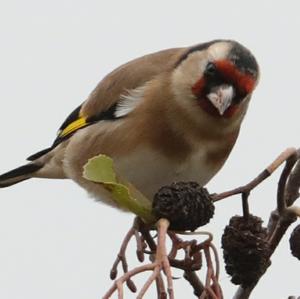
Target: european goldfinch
[168, 116]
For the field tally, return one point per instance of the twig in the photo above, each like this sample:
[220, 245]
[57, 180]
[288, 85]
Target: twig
[217, 261]
[195, 282]
[161, 253]
[160, 287]
[121, 257]
[260, 178]
[292, 186]
[145, 287]
[245, 204]
[140, 246]
[177, 244]
[161, 263]
[284, 215]
[281, 199]
[213, 289]
[119, 282]
[161, 260]
[147, 237]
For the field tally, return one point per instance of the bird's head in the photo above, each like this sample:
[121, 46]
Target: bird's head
[217, 77]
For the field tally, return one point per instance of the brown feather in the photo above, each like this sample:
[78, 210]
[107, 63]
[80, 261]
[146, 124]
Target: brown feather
[131, 75]
[145, 116]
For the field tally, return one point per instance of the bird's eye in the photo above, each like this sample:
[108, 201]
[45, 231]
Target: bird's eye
[210, 69]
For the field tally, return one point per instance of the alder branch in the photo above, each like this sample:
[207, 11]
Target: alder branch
[122, 258]
[161, 262]
[260, 178]
[292, 186]
[285, 214]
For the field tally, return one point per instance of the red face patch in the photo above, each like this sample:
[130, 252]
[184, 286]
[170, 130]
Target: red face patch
[243, 82]
[198, 87]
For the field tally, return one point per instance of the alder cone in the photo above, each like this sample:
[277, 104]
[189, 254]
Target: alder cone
[245, 250]
[185, 204]
[295, 242]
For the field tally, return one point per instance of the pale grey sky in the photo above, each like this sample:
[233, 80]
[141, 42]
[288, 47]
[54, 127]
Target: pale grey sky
[55, 241]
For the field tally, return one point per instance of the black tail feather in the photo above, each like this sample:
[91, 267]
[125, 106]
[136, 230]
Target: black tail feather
[18, 174]
[10, 182]
[39, 154]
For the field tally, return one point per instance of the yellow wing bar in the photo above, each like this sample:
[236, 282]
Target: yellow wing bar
[73, 126]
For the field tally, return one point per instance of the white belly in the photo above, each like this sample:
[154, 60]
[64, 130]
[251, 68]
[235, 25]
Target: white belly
[149, 170]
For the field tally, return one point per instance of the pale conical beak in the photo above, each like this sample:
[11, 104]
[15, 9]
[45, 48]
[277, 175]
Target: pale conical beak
[221, 97]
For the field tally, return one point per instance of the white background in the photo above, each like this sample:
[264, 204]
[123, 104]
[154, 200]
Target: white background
[55, 241]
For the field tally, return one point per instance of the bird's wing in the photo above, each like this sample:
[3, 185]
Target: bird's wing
[102, 104]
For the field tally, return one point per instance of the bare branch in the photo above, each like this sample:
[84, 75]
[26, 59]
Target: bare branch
[260, 178]
[161, 261]
[284, 215]
[195, 282]
[293, 183]
[281, 199]
[122, 258]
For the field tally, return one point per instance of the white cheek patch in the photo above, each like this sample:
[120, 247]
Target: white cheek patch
[221, 97]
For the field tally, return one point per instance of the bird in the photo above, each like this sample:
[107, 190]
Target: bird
[168, 116]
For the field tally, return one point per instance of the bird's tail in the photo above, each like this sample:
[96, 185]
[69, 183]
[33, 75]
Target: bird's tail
[19, 174]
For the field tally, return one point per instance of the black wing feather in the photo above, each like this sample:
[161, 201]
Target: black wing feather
[108, 114]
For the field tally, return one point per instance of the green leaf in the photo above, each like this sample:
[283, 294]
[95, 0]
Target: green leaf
[100, 169]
